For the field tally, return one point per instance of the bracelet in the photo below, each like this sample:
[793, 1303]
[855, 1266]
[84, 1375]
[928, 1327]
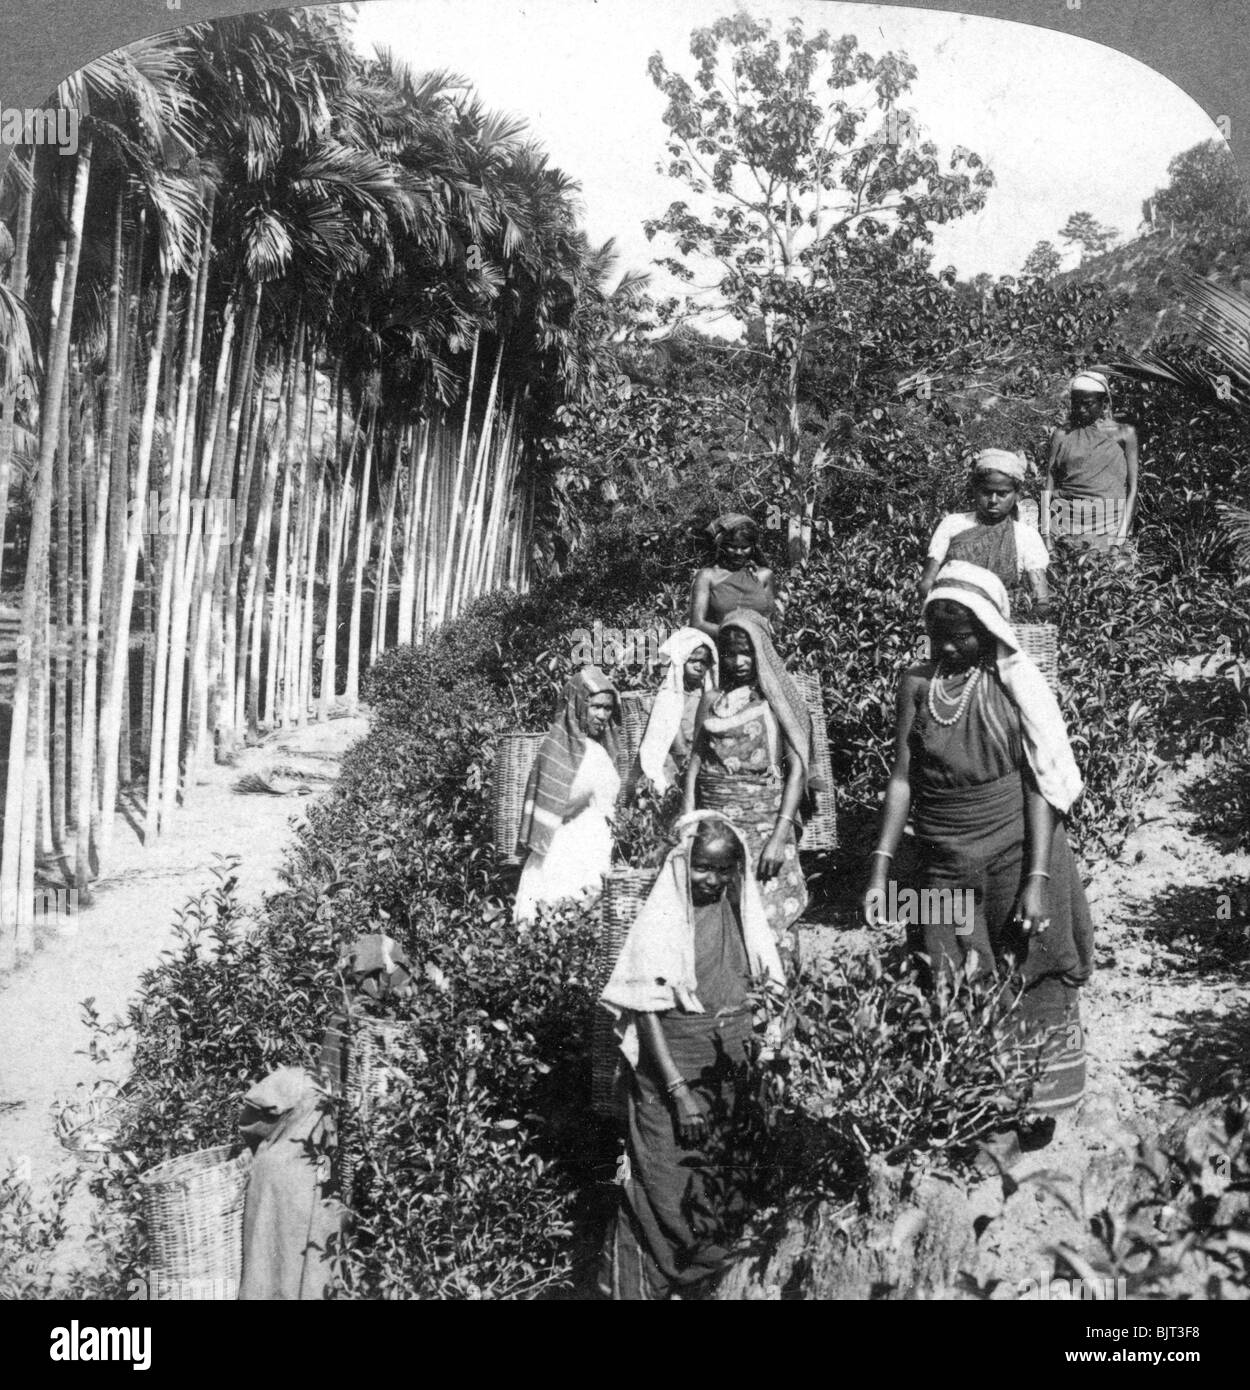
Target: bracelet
[789, 818]
[676, 1085]
[884, 853]
[1037, 873]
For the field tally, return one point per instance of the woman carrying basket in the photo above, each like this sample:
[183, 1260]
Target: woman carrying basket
[753, 760]
[570, 797]
[679, 995]
[982, 760]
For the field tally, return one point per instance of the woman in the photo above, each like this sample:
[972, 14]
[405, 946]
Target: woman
[753, 760]
[1092, 467]
[570, 797]
[738, 579]
[991, 535]
[982, 758]
[669, 735]
[679, 993]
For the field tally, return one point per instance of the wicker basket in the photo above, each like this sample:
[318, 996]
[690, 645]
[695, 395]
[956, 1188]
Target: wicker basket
[513, 759]
[624, 892]
[635, 711]
[193, 1207]
[374, 1048]
[1040, 642]
[820, 831]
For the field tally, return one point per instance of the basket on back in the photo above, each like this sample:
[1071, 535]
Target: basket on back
[624, 892]
[514, 756]
[193, 1209]
[635, 711]
[1040, 642]
[820, 830]
[372, 1051]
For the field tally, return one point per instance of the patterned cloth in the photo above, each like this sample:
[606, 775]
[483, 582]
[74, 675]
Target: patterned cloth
[784, 697]
[740, 776]
[550, 785]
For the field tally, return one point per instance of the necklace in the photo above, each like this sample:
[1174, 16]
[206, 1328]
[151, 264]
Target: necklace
[960, 706]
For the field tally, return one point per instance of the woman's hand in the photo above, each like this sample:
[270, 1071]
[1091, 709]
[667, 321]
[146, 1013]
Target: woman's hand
[772, 857]
[691, 1115]
[1031, 907]
[876, 895]
[576, 807]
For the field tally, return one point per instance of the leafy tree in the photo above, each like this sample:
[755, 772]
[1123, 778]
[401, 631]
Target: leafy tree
[1042, 261]
[1092, 237]
[799, 154]
[1205, 192]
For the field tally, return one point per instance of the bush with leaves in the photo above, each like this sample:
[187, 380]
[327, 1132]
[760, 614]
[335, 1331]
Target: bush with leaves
[876, 1066]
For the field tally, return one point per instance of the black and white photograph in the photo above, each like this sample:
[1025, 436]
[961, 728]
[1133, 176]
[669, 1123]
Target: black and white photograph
[624, 667]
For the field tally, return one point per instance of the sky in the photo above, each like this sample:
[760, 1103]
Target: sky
[1065, 124]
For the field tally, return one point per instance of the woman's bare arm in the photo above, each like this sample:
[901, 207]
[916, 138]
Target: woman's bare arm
[1128, 439]
[700, 596]
[897, 796]
[696, 758]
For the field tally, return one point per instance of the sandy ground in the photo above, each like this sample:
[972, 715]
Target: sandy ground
[111, 943]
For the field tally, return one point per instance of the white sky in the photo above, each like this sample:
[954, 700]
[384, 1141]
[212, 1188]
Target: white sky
[1065, 124]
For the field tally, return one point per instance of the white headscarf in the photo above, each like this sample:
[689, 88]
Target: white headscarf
[655, 970]
[1004, 461]
[670, 701]
[1045, 735]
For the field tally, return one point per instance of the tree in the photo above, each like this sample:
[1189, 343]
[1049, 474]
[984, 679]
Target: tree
[790, 170]
[1042, 262]
[1092, 237]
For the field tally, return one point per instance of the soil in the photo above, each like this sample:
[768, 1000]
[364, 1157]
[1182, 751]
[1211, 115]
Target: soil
[101, 952]
[1166, 1025]
[1164, 1017]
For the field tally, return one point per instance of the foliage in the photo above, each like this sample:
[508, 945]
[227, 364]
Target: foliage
[1043, 261]
[875, 1065]
[1091, 236]
[30, 1230]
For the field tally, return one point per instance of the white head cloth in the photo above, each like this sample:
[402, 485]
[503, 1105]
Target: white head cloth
[670, 701]
[1005, 461]
[1090, 381]
[655, 969]
[1045, 735]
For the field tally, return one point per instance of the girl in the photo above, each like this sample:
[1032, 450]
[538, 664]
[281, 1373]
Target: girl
[752, 760]
[570, 797]
[738, 579]
[669, 735]
[982, 758]
[679, 993]
[1092, 466]
[991, 535]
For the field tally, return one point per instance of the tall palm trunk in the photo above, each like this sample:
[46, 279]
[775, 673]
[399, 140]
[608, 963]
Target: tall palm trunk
[17, 283]
[351, 693]
[97, 525]
[16, 934]
[110, 718]
[382, 590]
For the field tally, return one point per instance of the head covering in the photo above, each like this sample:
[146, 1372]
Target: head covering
[559, 757]
[1004, 461]
[727, 523]
[655, 969]
[670, 701]
[1089, 381]
[1045, 736]
[779, 689]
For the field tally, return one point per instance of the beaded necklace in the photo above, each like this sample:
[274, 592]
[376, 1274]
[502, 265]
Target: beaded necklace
[961, 704]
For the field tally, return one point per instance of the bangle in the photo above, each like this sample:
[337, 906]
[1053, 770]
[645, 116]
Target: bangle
[1037, 873]
[884, 853]
[789, 818]
[676, 1085]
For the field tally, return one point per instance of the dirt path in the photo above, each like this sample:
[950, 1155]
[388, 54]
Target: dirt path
[110, 944]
